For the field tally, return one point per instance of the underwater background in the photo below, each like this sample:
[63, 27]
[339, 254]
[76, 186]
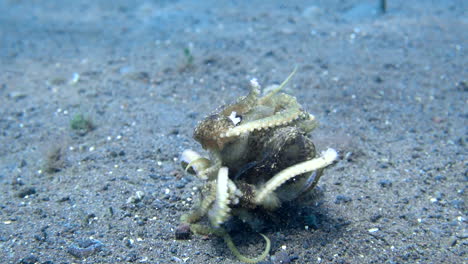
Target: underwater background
[98, 99]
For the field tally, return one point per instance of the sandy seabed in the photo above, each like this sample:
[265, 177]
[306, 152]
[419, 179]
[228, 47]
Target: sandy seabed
[389, 90]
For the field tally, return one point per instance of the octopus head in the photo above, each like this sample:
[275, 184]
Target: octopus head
[208, 132]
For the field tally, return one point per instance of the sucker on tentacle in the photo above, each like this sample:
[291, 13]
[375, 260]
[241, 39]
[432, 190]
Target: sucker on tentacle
[283, 118]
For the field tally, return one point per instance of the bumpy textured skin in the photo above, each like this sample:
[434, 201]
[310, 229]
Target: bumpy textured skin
[261, 157]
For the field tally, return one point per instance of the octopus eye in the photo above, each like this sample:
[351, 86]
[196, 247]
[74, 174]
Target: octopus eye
[236, 119]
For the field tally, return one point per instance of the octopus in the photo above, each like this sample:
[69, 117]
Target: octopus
[259, 157]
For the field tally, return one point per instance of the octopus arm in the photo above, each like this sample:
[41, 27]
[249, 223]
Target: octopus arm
[245, 103]
[210, 172]
[282, 118]
[203, 207]
[273, 92]
[235, 251]
[271, 185]
[220, 211]
[205, 230]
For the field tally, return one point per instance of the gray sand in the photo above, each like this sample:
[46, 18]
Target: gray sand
[389, 90]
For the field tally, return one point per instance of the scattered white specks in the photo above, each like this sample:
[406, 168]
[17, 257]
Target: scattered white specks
[140, 194]
[139, 170]
[283, 247]
[92, 148]
[433, 200]
[159, 163]
[75, 78]
[167, 191]
[136, 198]
[118, 137]
[373, 230]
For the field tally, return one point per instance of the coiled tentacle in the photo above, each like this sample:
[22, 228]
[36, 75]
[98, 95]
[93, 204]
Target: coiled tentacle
[271, 185]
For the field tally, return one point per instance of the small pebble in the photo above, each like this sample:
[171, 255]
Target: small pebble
[85, 248]
[374, 218]
[458, 204]
[154, 176]
[26, 192]
[440, 178]
[180, 185]
[136, 198]
[342, 199]
[183, 232]
[452, 241]
[29, 260]
[282, 257]
[385, 183]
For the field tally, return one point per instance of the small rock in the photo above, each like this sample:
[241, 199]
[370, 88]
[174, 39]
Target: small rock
[458, 204]
[85, 248]
[374, 218]
[29, 260]
[183, 232]
[463, 235]
[385, 183]
[64, 199]
[440, 178]
[17, 95]
[136, 198]
[26, 192]
[462, 86]
[342, 199]
[132, 257]
[154, 176]
[282, 257]
[452, 241]
[180, 185]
